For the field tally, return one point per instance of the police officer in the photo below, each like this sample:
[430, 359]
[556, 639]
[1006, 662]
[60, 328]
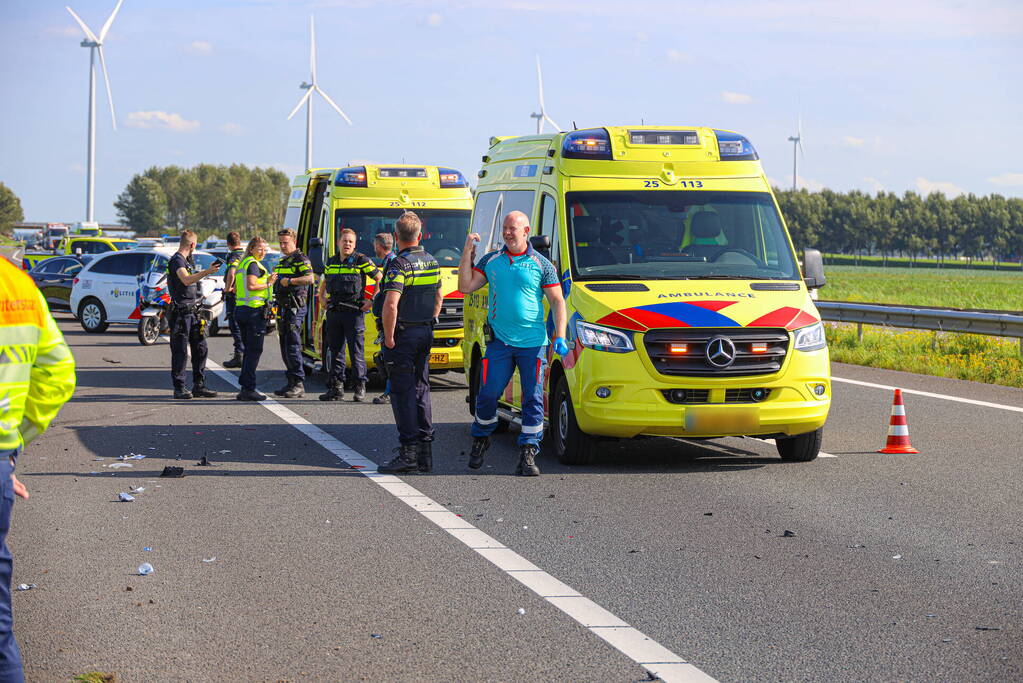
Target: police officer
[412, 302]
[187, 328]
[383, 246]
[519, 279]
[37, 376]
[234, 243]
[294, 275]
[342, 293]
[252, 286]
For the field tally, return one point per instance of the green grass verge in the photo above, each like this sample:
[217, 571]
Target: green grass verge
[918, 264]
[916, 287]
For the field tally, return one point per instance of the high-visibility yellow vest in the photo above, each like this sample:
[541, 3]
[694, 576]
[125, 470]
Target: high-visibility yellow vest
[37, 371]
[243, 297]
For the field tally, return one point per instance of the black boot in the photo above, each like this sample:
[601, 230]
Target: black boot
[527, 462]
[405, 461]
[480, 444]
[200, 391]
[334, 393]
[360, 392]
[296, 390]
[182, 393]
[250, 395]
[382, 398]
[285, 389]
[424, 456]
[234, 361]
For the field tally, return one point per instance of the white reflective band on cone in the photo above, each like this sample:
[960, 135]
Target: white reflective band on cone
[898, 430]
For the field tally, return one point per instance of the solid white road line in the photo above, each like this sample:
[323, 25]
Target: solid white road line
[652, 656]
[929, 394]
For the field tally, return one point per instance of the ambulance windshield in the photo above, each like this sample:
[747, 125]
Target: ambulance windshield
[443, 234]
[677, 235]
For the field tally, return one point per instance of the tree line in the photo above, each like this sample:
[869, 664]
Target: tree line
[206, 198]
[989, 227]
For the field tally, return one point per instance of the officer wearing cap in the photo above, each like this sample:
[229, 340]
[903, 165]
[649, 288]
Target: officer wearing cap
[187, 328]
[412, 302]
[291, 289]
[343, 293]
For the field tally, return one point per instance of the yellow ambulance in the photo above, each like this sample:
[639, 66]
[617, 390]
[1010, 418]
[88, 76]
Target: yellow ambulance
[688, 314]
[369, 199]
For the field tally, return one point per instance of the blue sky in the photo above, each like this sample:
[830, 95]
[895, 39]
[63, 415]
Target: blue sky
[894, 94]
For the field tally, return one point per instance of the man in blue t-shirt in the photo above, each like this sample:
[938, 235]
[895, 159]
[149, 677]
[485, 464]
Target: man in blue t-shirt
[519, 279]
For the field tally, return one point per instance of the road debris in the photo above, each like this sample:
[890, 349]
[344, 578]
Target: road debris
[204, 462]
[131, 456]
[111, 360]
[125, 497]
[118, 465]
[979, 628]
[896, 557]
[207, 560]
[376, 635]
[145, 569]
[521, 610]
[137, 489]
[170, 471]
[788, 534]
[26, 586]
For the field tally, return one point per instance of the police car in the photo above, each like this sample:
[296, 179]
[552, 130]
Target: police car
[107, 290]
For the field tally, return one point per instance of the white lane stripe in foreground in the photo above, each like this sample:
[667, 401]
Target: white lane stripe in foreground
[649, 654]
[929, 394]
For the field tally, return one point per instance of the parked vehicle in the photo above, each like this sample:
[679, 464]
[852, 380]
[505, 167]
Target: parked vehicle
[54, 277]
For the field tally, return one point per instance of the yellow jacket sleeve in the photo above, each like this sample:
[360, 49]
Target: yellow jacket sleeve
[52, 379]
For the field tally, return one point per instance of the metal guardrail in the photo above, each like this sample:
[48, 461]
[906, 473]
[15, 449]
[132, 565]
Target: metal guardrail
[939, 319]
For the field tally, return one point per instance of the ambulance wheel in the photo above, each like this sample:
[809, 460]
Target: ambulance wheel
[572, 445]
[802, 448]
[92, 315]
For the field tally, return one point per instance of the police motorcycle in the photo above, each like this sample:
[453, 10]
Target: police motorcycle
[155, 302]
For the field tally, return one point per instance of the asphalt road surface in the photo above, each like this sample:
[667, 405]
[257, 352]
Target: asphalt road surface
[283, 562]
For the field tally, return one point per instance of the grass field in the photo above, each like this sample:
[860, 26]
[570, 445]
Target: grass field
[916, 287]
[978, 358]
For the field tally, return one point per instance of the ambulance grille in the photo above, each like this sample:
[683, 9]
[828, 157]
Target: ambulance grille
[694, 361]
[450, 314]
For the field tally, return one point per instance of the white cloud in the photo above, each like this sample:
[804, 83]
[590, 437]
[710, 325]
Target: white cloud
[1007, 180]
[873, 184]
[232, 128]
[674, 55]
[850, 141]
[200, 48]
[149, 120]
[945, 187]
[735, 97]
[808, 184]
[434, 19]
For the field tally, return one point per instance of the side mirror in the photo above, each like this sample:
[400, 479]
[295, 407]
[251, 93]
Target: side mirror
[316, 255]
[542, 243]
[813, 269]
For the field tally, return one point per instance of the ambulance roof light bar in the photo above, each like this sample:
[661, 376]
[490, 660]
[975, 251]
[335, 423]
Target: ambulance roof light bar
[734, 147]
[592, 143]
[449, 177]
[353, 176]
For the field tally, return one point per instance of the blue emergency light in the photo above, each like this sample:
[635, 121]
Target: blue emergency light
[594, 143]
[734, 147]
[449, 177]
[353, 176]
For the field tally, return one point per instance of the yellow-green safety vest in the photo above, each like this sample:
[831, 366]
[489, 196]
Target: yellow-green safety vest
[243, 297]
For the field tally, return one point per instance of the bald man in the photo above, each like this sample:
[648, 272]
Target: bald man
[519, 279]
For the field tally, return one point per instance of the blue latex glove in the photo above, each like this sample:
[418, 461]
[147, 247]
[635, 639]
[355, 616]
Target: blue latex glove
[560, 346]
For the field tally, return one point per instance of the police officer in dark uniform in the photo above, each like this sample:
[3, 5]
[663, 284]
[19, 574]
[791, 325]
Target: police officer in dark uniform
[343, 293]
[294, 275]
[234, 243]
[187, 328]
[412, 302]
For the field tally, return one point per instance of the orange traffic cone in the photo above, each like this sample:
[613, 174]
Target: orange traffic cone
[898, 430]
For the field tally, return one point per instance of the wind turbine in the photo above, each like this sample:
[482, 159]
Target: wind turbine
[797, 141]
[307, 99]
[542, 116]
[95, 44]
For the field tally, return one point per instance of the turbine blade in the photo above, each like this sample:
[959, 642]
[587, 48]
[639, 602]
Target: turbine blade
[549, 120]
[110, 20]
[106, 79]
[332, 103]
[801, 152]
[308, 94]
[539, 81]
[312, 49]
[88, 33]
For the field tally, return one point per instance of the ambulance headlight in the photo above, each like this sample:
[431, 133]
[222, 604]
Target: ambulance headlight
[353, 176]
[810, 338]
[734, 147]
[449, 177]
[603, 338]
[594, 143]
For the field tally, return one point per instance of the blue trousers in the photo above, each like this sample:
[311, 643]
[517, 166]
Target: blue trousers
[185, 335]
[346, 328]
[10, 655]
[232, 324]
[408, 366]
[253, 328]
[498, 367]
[289, 330]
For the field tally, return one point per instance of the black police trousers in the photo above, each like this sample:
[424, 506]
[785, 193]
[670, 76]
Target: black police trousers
[253, 326]
[232, 324]
[186, 334]
[289, 330]
[408, 366]
[346, 327]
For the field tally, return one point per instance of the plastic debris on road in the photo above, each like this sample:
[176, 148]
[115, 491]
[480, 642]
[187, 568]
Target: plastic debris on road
[137, 489]
[126, 497]
[26, 586]
[223, 451]
[207, 560]
[148, 550]
[376, 635]
[131, 456]
[145, 569]
[788, 534]
[118, 465]
[111, 360]
[896, 557]
[521, 610]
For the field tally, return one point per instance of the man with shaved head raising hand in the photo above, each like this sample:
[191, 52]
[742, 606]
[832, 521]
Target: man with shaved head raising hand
[519, 279]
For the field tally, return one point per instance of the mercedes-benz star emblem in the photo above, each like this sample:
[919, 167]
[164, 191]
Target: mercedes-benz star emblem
[720, 352]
